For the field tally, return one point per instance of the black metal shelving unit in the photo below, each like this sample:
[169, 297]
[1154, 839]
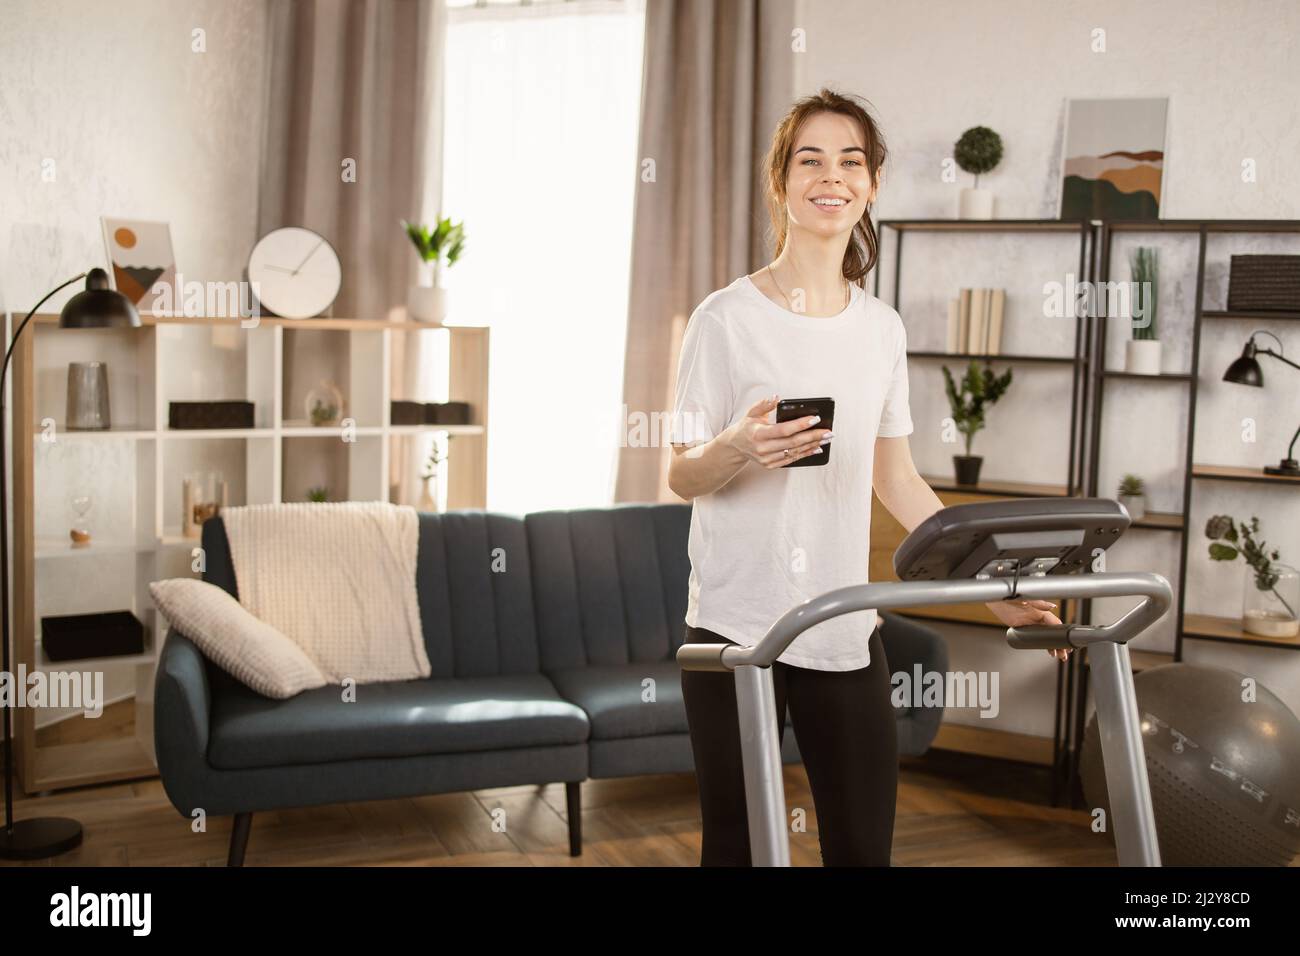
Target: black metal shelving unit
[1078, 363]
[1175, 522]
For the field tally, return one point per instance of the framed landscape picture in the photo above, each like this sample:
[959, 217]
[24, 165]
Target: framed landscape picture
[1114, 158]
[140, 255]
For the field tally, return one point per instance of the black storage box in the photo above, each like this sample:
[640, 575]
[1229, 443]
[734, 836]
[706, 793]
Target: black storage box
[198, 415]
[75, 636]
[446, 413]
[407, 413]
[1264, 283]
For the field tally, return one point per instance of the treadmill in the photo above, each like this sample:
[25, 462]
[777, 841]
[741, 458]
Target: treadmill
[1024, 549]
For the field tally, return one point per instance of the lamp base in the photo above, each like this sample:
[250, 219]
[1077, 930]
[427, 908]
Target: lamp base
[39, 838]
[1289, 467]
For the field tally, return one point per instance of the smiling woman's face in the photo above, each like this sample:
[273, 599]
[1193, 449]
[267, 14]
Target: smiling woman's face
[829, 163]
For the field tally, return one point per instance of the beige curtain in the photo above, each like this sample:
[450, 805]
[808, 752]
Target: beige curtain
[356, 85]
[718, 76]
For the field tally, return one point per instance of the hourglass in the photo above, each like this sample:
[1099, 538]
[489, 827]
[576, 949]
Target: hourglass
[80, 533]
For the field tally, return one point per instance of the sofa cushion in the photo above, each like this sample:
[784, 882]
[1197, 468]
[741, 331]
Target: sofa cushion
[612, 697]
[609, 584]
[249, 649]
[397, 719]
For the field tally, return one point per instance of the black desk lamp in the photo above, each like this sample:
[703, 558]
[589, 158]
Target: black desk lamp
[1246, 371]
[97, 307]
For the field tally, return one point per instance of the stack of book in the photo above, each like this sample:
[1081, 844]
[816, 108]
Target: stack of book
[975, 322]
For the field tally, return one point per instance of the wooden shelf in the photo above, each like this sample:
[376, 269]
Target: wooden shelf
[95, 761]
[983, 225]
[116, 432]
[1142, 660]
[1003, 489]
[1163, 376]
[1254, 316]
[1160, 521]
[1047, 359]
[424, 429]
[1001, 744]
[1206, 627]
[318, 323]
[1209, 225]
[1237, 473]
[273, 365]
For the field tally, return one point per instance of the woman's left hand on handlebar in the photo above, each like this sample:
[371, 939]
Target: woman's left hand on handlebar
[1024, 613]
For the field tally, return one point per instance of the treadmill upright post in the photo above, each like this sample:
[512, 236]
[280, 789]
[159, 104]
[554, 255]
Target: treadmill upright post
[1133, 816]
[760, 749]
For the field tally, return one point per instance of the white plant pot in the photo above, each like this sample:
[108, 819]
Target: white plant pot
[1142, 357]
[975, 204]
[427, 303]
[1135, 505]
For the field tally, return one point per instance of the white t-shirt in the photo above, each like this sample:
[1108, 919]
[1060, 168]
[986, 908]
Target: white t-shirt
[770, 539]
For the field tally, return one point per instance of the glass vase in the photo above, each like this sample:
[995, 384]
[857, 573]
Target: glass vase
[1271, 612]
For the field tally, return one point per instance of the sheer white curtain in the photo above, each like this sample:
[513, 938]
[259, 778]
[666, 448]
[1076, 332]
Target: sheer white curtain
[539, 160]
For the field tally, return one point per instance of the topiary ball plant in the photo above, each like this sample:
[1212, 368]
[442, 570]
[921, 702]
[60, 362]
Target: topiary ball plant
[978, 151]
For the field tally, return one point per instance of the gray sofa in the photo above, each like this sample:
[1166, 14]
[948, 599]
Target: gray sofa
[542, 632]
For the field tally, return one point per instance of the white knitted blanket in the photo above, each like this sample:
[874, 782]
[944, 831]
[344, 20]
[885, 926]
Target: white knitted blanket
[338, 579]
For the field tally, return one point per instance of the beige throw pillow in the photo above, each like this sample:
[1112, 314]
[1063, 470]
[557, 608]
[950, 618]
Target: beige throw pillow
[250, 650]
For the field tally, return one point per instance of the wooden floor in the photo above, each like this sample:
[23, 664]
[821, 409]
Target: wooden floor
[953, 810]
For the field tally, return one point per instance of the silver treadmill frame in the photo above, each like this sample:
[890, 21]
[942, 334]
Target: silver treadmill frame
[1132, 815]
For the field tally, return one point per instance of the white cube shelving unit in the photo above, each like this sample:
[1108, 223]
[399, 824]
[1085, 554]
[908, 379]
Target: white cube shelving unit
[134, 471]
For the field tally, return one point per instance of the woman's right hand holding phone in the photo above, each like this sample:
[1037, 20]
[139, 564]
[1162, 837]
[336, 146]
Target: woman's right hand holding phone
[767, 443]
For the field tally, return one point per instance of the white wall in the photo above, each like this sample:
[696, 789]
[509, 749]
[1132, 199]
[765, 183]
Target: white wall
[136, 124]
[933, 68]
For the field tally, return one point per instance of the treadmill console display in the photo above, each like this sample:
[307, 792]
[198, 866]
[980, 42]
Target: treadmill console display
[1024, 536]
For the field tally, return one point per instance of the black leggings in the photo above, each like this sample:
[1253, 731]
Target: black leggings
[845, 727]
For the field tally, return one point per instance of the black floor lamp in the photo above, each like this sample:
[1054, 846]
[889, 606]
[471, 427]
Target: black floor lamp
[1246, 371]
[96, 307]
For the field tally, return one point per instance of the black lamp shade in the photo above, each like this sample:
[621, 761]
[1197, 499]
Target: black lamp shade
[98, 306]
[1245, 370]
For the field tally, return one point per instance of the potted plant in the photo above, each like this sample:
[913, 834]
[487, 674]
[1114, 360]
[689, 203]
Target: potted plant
[1268, 606]
[1132, 495]
[428, 495]
[427, 301]
[977, 151]
[318, 494]
[1143, 353]
[968, 404]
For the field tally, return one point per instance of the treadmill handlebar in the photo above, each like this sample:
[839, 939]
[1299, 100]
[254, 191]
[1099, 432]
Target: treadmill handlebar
[885, 595]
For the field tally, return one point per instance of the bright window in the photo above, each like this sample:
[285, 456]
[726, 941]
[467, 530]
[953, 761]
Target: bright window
[539, 160]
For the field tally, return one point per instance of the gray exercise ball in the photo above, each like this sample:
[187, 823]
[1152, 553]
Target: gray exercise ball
[1225, 773]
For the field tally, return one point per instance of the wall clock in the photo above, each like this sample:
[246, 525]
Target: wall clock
[297, 272]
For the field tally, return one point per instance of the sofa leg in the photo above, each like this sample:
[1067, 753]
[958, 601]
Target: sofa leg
[573, 803]
[239, 839]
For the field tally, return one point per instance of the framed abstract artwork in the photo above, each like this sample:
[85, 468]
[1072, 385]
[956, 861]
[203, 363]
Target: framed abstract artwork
[140, 256]
[1114, 158]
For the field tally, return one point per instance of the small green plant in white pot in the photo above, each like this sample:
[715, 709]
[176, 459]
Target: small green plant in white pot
[977, 152]
[1142, 356]
[443, 244]
[1132, 495]
[1270, 590]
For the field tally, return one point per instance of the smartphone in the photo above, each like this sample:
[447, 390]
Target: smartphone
[791, 408]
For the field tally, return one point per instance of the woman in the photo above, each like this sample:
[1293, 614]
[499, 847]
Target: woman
[764, 538]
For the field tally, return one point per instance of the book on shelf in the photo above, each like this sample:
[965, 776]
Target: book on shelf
[975, 322]
[979, 305]
[997, 304]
